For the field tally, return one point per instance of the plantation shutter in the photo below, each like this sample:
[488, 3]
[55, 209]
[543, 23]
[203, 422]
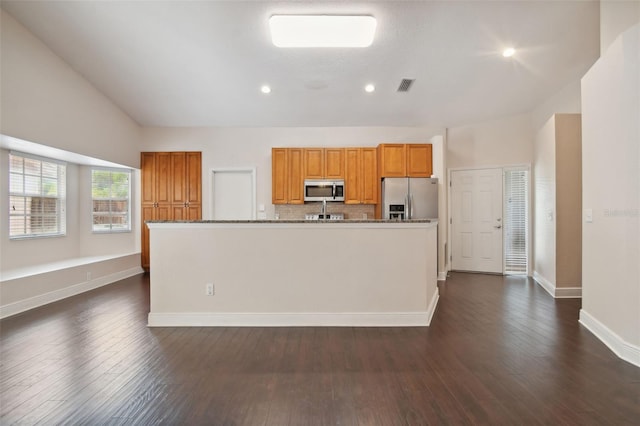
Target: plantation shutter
[516, 222]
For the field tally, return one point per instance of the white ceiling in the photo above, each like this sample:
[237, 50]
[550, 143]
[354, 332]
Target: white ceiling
[191, 63]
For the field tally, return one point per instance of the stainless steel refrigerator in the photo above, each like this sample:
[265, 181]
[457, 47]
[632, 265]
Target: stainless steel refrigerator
[410, 198]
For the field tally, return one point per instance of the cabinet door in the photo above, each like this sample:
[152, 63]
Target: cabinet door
[419, 160]
[369, 176]
[313, 163]
[353, 173]
[163, 177]
[392, 160]
[193, 211]
[178, 178]
[279, 176]
[178, 212]
[334, 163]
[296, 176]
[147, 174]
[147, 214]
[194, 178]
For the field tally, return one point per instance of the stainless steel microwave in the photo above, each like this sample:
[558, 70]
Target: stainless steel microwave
[323, 190]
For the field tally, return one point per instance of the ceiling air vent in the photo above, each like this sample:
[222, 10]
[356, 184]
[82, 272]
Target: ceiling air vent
[405, 85]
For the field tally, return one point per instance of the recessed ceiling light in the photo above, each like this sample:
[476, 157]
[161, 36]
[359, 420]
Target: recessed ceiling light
[322, 30]
[265, 89]
[508, 52]
[369, 88]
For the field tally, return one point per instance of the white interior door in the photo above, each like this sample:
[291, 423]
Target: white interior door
[233, 194]
[476, 227]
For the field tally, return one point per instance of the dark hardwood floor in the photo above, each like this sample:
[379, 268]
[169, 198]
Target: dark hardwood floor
[499, 351]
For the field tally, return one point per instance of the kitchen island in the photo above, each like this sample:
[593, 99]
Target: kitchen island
[293, 273]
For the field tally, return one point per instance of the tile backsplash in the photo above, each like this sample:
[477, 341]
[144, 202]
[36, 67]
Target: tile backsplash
[350, 211]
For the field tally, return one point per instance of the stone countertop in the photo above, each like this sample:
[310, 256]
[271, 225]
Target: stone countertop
[299, 221]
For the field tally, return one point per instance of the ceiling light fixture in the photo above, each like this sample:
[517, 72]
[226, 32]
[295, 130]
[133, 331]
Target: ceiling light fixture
[369, 88]
[265, 89]
[508, 52]
[322, 30]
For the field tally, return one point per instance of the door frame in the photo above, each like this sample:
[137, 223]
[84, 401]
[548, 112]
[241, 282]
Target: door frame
[251, 171]
[529, 210]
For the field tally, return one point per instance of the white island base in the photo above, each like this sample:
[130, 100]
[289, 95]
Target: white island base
[291, 273]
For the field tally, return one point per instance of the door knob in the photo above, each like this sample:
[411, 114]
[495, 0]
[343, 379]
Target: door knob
[498, 226]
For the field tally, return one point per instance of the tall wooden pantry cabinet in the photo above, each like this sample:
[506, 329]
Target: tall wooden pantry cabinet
[171, 190]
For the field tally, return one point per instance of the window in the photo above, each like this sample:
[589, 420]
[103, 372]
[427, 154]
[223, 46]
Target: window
[37, 202]
[516, 223]
[110, 194]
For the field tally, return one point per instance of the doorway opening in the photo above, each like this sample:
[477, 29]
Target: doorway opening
[233, 194]
[490, 220]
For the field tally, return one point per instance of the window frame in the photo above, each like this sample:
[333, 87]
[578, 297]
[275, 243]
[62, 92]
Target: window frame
[61, 205]
[111, 214]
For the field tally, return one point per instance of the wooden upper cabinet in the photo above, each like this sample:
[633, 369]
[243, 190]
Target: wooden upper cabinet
[194, 181]
[392, 160]
[369, 176]
[334, 163]
[353, 178]
[313, 163]
[179, 178]
[405, 160]
[162, 178]
[287, 176]
[361, 176]
[147, 174]
[419, 160]
[296, 176]
[323, 163]
[279, 176]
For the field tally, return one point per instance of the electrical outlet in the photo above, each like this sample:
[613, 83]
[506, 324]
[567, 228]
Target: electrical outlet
[88, 276]
[210, 289]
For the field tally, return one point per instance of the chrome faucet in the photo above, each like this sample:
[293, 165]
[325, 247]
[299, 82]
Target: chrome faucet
[323, 214]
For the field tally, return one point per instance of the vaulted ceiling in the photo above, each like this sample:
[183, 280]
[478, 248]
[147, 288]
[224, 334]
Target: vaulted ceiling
[202, 63]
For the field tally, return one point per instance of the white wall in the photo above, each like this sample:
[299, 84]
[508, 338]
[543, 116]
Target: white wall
[507, 141]
[544, 241]
[566, 100]
[251, 147]
[439, 152]
[611, 188]
[616, 16]
[45, 101]
[370, 281]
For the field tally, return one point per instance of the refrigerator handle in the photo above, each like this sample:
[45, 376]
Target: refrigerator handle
[406, 206]
[411, 206]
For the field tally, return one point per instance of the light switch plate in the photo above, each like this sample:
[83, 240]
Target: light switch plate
[588, 215]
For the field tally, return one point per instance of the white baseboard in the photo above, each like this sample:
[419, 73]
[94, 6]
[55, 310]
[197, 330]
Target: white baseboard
[71, 290]
[617, 344]
[315, 319]
[431, 309]
[557, 292]
[568, 293]
[442, 276]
